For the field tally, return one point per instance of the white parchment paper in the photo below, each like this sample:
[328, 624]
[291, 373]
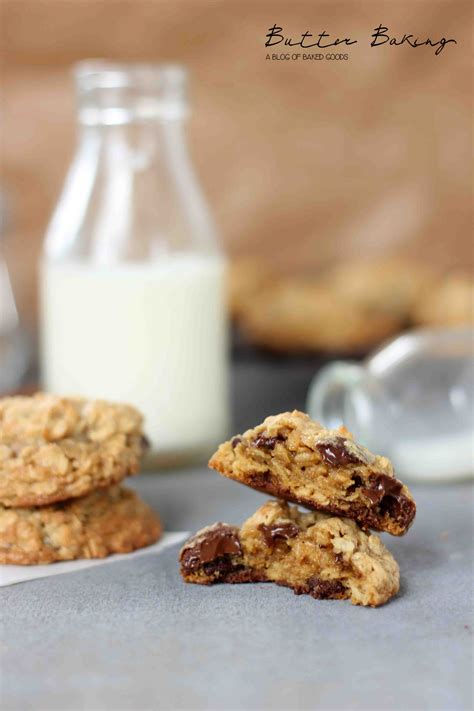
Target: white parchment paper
[11, 574]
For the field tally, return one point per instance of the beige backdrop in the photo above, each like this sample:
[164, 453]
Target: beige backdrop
[301, 161]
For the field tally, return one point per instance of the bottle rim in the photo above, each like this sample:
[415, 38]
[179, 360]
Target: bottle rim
[120, 92]
[106, 74]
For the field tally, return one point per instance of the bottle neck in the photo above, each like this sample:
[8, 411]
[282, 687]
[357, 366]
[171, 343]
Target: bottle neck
[131, 196]
[115, 94]
[138, 135]
[138, 149]
[142, 111]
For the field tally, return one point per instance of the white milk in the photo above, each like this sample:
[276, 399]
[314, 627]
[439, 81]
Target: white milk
[437, 458]
[153, 335]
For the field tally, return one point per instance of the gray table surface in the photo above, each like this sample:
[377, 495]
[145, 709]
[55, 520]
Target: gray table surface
[132, 635]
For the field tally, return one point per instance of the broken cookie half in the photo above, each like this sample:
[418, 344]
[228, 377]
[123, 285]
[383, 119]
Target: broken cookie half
[313, 553]
[294, 458]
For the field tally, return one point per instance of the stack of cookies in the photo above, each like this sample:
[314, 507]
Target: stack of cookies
[327, 552]
[61, 461]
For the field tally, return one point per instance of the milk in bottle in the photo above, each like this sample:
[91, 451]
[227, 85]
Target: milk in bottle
[132, 277]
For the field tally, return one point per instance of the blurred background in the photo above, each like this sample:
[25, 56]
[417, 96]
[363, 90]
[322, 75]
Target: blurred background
[302, 162]
[341, 190]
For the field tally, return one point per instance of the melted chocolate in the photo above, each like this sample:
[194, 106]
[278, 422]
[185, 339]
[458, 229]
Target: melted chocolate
[278, 532]
[356, 484]
[385, 491]
[263, 442]
[219, 568]
[145, 442]
[381, 485]
[336, 454]
[216, 543]
[325, 589]
[236, 441]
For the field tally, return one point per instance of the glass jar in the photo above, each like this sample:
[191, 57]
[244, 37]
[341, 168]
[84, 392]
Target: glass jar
[14, 350]
[132, 277]
[412, 400]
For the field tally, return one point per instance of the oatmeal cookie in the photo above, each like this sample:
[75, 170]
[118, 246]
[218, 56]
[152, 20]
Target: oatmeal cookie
[296, 316]
[449, 303]
[107, 521]
[246, 277]
[389, 286]
[55, 448]
[294, 458]
[312, 553]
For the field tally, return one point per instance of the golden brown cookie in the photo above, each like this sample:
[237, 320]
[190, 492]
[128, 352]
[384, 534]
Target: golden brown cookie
[107, 521]
[55, 448]
[246, 277]
[449, 303]
[390, 286]
[296, 316]
[312, 553]
[294, 458]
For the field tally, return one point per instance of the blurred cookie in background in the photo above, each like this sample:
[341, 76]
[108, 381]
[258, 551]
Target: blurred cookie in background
[348, 308]
[296, 316]
[246, 276]
[392, 286]
[450, 302]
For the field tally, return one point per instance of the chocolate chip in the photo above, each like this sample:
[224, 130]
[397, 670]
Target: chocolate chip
[220, 541]
[325, 589]
[220, 567]
[400, 508]
[261, 481]
[278, 532]
[356, 484]
[385, 491]
[236, 441]
[336, 454]
[381, 485]
[145, 442]
[373, 494]
[263, 442]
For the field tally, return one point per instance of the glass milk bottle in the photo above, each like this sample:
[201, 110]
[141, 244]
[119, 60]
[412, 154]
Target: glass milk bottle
[13, 342]
[132, 277]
